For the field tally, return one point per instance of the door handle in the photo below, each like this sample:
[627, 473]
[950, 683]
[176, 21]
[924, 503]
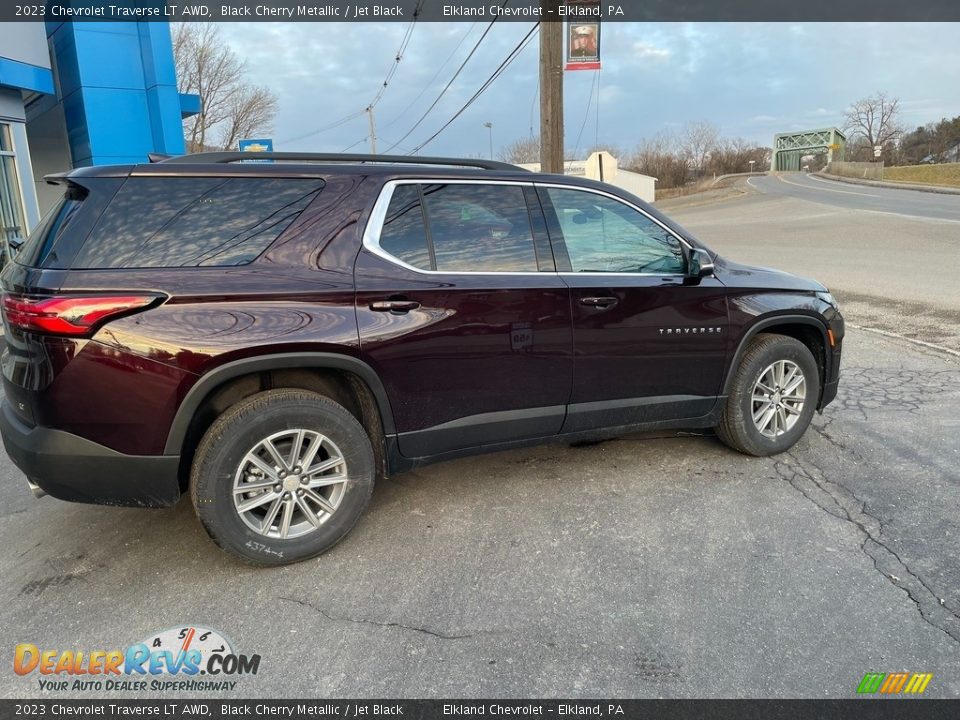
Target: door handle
[599, 302]
[395, 306]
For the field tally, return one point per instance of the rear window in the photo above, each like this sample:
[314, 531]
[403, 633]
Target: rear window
[194, 222]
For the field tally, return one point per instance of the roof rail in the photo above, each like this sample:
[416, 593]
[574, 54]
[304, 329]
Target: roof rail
[156, 157]
[240, 156]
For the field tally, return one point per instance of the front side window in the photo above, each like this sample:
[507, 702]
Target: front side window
[460, 228]
[193, 222]
[604, 235]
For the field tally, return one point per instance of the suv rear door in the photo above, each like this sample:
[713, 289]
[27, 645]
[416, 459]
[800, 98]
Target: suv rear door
[462, 314]
[649, 344]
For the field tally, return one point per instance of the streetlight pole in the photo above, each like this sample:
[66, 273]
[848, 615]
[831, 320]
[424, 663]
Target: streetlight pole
[489, 126]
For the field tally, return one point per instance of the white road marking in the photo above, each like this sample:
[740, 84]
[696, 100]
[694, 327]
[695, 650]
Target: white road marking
[842, 192]
[924, 218]
[886, 333]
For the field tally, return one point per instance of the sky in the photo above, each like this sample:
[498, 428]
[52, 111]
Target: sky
[751, 80]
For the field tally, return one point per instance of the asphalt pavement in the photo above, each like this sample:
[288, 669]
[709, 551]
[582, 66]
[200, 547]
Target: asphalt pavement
[911, 203]
[638, 567]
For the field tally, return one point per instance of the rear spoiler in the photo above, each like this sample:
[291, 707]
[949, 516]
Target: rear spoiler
[56, 178]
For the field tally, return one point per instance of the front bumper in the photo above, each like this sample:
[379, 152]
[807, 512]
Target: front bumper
[831, 383]
[73, 468]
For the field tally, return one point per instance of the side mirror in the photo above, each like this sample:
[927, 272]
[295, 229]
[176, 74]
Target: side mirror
[699, 264]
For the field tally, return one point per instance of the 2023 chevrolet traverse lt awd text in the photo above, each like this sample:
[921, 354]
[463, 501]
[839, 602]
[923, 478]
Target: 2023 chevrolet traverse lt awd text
[272, 337]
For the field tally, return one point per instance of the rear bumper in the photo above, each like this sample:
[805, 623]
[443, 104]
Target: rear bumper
[73, 468]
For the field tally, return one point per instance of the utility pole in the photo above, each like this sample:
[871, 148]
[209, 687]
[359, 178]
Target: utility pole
[551, 88]
[373, 130]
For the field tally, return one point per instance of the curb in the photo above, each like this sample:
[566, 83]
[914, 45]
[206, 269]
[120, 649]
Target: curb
[940, 189]
[689, 201]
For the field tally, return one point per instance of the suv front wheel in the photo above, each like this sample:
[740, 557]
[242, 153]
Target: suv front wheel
[282, 476]
[772, 397]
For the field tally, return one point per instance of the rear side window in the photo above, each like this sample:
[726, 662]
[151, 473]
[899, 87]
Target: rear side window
[404, 233]
[460, 228]
[56, 239]
[193, 222]
[483, 228]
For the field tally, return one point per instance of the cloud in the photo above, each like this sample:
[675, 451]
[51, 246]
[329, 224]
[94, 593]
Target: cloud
[642, 50]
[751, 79]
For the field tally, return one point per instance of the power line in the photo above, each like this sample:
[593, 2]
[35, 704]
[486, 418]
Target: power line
[398, 57]
[447, 86]
[596, 137]
[586, 115]
[533, 102]
[359, 142]
[517, 50]
[430, 82]
[390, 73]
[350, 147]
[325, 128]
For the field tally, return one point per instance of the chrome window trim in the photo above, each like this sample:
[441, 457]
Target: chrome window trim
[374, 226]
[371, 233]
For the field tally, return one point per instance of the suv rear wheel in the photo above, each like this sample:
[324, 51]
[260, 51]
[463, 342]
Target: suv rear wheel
[282, 476]
[772, 397]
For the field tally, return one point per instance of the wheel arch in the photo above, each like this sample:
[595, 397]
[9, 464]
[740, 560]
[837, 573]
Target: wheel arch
[809, 330]
[236, 371]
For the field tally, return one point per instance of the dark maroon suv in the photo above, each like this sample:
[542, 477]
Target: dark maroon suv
[272, 336]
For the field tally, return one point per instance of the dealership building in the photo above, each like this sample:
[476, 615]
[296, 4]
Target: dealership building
[77, 94]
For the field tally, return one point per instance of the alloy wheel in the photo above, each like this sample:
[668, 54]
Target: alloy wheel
[778, 398]
[289, 483]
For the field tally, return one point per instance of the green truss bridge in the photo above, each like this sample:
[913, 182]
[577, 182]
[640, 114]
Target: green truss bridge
[789, 148]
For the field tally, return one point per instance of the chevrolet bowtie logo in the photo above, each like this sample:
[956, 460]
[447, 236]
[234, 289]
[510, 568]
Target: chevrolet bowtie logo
[690, 331]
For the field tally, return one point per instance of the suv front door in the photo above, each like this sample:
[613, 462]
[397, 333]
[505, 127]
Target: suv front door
[649, 344]
[462, 314]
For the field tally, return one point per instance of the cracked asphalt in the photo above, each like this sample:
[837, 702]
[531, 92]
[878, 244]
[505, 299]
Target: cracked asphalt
[638, 567]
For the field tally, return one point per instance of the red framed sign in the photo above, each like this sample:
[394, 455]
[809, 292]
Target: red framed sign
[583, 45]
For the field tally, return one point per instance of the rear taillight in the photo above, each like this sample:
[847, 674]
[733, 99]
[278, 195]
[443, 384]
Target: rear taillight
[75, 315]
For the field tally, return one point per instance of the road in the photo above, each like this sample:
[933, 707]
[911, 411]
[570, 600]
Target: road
[911, 203]
[894, 272]
[638, 567]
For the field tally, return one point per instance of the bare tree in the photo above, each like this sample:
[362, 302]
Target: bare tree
[733, 155]
[231, 108]
[697, 141]
[251, 111]
[524, 150]
[660, 158]
[874, 120]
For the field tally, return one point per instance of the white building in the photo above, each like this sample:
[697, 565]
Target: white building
[603, 166]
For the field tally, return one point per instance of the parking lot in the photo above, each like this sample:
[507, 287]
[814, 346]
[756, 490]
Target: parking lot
[638, 567]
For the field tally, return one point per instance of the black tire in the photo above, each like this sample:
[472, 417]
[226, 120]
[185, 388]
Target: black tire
[236, 432]
[737, 429]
